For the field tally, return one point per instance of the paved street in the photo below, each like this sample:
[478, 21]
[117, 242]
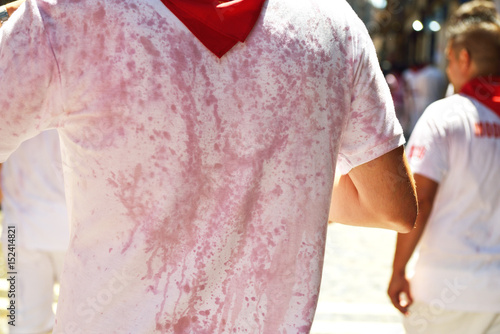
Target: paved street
[353, 298]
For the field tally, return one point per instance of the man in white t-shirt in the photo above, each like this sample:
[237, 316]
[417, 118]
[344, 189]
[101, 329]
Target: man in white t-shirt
[482, 10]
[198, 169]
[36, 220]
[454, 152]
[424, 85]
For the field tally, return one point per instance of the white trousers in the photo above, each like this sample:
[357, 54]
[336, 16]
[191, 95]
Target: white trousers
[424, 319]
[37, 272]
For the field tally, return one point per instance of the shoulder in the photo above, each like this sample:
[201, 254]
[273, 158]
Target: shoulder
[315, 14]
[323, 7]
[456, 102]
[327, 30]
[448, 110]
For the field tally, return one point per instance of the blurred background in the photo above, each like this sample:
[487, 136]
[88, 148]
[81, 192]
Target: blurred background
[407, 33]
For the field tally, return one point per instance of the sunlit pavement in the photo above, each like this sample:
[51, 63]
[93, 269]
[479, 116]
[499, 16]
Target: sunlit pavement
[353, 298]
[357, 268]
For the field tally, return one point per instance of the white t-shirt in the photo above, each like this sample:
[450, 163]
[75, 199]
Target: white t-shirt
[198, 187]
[33, 195]
[457, 144]
[425, 86]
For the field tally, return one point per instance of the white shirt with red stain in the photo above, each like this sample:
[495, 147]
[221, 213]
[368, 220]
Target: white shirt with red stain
[198, 187]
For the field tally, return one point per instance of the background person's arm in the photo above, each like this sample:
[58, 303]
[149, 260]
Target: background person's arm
[380, 193]
[12, 6]
[406, 244]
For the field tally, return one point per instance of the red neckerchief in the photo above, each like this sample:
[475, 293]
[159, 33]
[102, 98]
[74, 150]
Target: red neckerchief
[219, 25]
[486, 90]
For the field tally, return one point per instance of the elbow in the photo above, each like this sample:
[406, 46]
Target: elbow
[398, 215]
[406, 213]
[404, 220]
[407, 225]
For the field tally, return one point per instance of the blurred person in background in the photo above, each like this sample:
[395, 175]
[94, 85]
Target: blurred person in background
[396, 84]
[480, 10]
[454, 153]
[424, 84]
[34, 204]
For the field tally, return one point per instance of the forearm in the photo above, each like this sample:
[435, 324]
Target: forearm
[406, 243]
[399, 289]
[405, 246]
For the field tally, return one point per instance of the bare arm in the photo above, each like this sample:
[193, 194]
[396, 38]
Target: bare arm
[12, 6]
[406, 244]
[380, 193]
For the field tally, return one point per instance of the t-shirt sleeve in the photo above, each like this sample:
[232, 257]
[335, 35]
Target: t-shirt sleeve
[427, 147]
[372, 128]
[29, 79]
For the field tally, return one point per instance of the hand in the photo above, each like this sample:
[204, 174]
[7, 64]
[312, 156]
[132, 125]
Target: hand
[399, 292]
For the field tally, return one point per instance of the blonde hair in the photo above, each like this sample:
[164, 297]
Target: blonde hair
[478, 11]
[481, 39]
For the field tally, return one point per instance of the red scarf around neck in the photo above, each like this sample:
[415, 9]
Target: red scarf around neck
[486, 90]
[219, 25]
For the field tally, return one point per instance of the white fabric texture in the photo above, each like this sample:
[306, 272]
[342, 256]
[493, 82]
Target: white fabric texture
[33, 195]
[198, 187]
[459, 252]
